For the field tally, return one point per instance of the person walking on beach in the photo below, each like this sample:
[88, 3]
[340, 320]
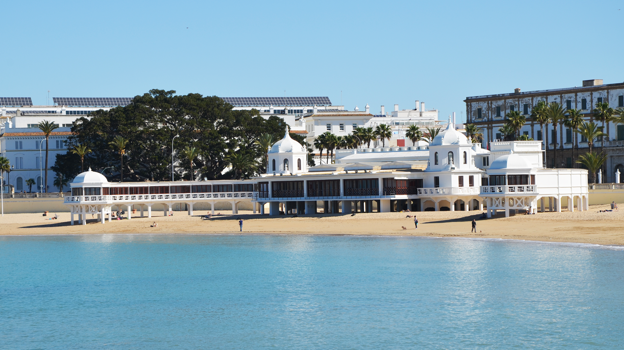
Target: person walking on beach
[240, 223]
[474, 226]
[415, 221]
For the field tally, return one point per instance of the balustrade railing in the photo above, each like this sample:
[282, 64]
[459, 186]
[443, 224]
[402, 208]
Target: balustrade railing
[440, 191]
[511, 189]
[156, 197]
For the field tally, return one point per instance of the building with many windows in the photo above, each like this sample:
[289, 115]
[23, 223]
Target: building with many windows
[488, 113]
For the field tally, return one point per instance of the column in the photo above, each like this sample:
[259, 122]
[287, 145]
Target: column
[129, 206]
[310, 207]
[273, 208]
[212, 204]
[233, 208]
[558, 204]
[255, 206]
[110, 214]
[452, 202]
[385, 206]
[149, 210]
[506, 207]
[84, 216]
[72, 216]
[191, 209]
[369, 206]
[489, 207]
[261, 208]
[481, 205]
[550, 204]
[165, 210]
[102, 216]
[346, 207]
[467, 205]
[409, 204]
[542, 204]
[437, 206]
[571, 203]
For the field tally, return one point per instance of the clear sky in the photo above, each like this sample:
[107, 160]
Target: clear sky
[355, 52]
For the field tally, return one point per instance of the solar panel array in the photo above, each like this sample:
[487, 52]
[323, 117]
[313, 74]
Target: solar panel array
[277, 101]
[15, 101]
[92, 101]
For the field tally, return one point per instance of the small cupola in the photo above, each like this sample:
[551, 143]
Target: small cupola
[287, 156]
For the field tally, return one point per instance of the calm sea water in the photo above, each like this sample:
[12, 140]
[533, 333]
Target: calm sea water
[258, 292]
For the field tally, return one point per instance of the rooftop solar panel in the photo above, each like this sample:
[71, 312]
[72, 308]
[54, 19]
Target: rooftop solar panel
[92, 101]
[277, 101]
[15, 101]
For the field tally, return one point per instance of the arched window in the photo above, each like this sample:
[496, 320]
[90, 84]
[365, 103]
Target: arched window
[435, 159]
[285, 164]
[465, 157]
[299, 164]
[274, 165]
[19, 184]
[450, 158]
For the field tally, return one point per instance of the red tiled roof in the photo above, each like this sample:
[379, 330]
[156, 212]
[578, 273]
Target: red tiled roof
[298, 132]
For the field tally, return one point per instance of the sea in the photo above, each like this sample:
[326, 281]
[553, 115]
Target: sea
[307, 292]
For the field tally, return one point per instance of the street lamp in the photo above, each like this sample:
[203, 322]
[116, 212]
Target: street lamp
[40, 168]
[172, 156]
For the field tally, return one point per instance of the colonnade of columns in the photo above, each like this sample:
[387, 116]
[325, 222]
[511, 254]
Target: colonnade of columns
[554, 204]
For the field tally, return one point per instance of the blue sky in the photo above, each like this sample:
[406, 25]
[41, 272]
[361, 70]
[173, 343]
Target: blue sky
[375, 52]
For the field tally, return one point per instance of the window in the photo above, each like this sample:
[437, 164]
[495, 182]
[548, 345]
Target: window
[525, 133]
[479, 113]
[435, 158]
[599, 99]
[19, 162]
[39, 184]
[568, 162]
[471, 180]
[285, 164]
[486, 161]
[583, 138]
[465, 157]
[328, 127]
[354, 126]
[539, 135]
[451, 160]
[19, 184]
[498, 111]
[569, 104]
[621, 101]
[498, 135]
[299, 164]
[512, 108]
[461, 181]
[568, 135]
[620, 132]
[436, 181]
[341, 127]
[526, 109]
[38, 162]
[274, 165]
[584, 103]
[18, 145]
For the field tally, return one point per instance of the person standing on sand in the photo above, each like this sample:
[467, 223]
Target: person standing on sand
[415, 221]
[474, 226]
[240, 223]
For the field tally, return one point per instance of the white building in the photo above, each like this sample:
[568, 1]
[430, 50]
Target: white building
[455, 175]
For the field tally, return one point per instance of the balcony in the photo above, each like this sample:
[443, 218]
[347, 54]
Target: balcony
[447, 191]
[138, 198]
[509, 190]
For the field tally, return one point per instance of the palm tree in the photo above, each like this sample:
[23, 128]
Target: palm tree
[573, 120]
[431, 134]
[60, 182]
[368, 135]
[556, 114]
[508, 131]
[590, 131]
[81, 151]
[620, 115]
[474, 133]
[265, 141]
[319, 143]
[383, 131]
[538, 114]
[350, 141]
[342, 142]
[525, 138]
[414, 134]
[190, 153]
[119, 143]
[30, 183]
[331, 142]
[47, 127]
[5, 167]
[516, 121]
[592, 162]
[605, 114]
[241, 163]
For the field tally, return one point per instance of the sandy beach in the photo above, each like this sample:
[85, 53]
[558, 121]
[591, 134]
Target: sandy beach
[579, 227]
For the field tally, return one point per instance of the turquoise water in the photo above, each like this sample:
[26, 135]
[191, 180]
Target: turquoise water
[338, 292]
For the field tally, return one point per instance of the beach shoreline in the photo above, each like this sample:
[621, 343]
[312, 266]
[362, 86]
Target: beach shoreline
[589, 227]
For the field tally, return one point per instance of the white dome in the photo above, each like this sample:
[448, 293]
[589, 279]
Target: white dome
[90, 177]
[287, 144]
[510, 161]
[450, 136]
